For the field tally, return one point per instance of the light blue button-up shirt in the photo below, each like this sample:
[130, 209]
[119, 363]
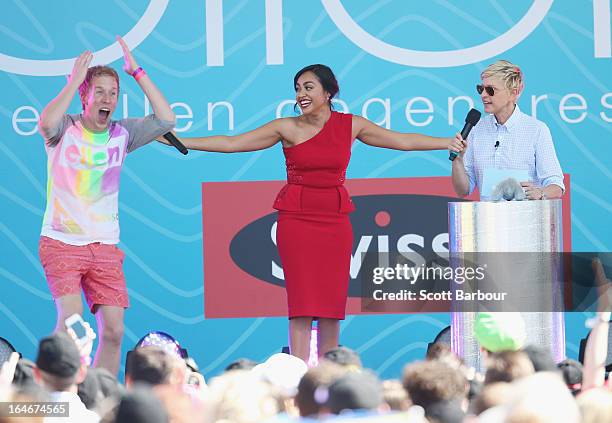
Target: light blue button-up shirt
[523, 142]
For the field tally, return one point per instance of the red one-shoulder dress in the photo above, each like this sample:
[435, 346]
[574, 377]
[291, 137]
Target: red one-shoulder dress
[314, 233]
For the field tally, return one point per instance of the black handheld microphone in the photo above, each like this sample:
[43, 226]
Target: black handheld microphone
[471, 120]
[169, 136]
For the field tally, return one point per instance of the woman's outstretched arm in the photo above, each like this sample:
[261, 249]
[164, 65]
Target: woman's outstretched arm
[258, 139]
[374, 135]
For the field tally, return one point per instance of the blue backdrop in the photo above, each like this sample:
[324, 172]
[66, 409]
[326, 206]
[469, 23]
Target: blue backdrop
[228, 66]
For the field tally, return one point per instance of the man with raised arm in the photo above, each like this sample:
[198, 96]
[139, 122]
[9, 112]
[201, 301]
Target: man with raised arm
[80, 231]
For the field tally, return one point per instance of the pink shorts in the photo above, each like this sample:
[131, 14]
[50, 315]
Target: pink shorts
[97, 268]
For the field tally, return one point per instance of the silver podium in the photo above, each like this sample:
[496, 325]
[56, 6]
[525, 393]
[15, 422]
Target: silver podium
[510, 227]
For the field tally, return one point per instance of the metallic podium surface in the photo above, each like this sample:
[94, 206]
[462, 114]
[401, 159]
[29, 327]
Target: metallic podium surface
[510, 227]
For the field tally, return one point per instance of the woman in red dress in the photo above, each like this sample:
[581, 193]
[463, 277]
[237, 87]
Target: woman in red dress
[314, 233]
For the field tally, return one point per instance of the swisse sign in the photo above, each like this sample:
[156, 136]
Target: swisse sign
[242, 270]
[382, 223]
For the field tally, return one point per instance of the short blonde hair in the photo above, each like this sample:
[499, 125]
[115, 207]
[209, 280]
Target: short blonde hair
[240, 396]
[507, 72]
[92, 73]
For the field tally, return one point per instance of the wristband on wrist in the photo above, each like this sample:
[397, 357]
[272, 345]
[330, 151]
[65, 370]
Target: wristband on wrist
[138, 73]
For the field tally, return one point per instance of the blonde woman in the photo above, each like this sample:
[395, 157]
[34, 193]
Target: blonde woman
[506, 139]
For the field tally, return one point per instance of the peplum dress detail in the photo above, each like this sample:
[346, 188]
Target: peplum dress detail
[314, 233]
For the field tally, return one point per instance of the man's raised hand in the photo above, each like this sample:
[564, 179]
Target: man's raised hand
[79, 69]
[129, 63]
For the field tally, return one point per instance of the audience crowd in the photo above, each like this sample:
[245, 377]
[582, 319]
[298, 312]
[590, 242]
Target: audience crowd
[517, 383]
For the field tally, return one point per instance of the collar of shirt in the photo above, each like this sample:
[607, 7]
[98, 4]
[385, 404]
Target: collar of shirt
[76, 405]
[511, 123]
[76, 409]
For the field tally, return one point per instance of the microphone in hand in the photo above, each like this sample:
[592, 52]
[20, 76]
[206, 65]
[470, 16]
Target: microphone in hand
[169, 136]
[471, 120]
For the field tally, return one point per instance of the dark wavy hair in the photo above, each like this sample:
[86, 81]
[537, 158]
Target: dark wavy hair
[325, 76]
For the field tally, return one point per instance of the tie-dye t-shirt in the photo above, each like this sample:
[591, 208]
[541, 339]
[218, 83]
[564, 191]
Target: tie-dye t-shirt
[83, 170]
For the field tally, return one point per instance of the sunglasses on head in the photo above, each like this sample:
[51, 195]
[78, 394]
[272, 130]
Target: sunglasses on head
[489, 89]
